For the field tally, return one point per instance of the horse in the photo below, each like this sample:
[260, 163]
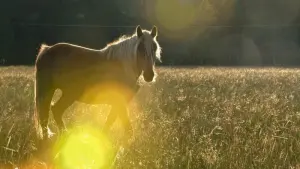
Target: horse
[93, 76]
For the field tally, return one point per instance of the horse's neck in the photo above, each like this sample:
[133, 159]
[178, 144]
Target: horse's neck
[127, 68]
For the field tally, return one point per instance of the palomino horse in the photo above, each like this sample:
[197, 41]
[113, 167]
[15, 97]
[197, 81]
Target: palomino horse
[105, 76]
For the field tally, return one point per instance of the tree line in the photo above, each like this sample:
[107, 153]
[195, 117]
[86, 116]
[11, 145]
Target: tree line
[225, 32]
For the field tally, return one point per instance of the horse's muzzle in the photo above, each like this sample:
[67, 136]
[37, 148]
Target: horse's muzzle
[148, 76]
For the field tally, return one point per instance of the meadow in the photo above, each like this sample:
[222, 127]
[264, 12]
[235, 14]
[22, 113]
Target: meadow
[211, 118]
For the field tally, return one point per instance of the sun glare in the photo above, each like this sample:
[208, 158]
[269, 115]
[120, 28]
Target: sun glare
[86, 147]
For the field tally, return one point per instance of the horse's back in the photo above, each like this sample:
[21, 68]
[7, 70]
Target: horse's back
[83, 72]
[67, 61]
[64, 54]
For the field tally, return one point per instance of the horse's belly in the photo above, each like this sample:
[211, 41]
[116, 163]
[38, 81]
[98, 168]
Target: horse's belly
[95, 98]
[106, 94]
[96, 89]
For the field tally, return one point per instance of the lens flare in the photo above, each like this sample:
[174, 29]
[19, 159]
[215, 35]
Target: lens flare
[175, 15]
[86, 147]
[187, 19]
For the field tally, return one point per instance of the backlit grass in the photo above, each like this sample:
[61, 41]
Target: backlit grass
[189, 118]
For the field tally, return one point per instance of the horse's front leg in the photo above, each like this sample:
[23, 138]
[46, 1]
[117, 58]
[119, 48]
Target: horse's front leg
[110, 119]
[121, 111]
[123, 115]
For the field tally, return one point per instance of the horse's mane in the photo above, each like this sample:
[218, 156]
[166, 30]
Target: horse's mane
[124, 48]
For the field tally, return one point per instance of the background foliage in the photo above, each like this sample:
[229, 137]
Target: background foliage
[191, 32]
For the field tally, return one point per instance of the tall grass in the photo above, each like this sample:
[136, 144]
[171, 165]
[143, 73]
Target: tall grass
[189, 118]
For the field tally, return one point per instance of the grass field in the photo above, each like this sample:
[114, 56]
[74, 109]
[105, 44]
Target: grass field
[189, 118]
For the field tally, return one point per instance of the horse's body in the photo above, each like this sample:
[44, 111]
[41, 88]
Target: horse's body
[106, 76]
[78, 70]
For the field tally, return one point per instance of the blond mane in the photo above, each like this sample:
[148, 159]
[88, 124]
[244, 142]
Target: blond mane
[124, 49]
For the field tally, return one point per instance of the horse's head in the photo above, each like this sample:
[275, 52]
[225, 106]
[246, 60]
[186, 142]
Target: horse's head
[148, 51]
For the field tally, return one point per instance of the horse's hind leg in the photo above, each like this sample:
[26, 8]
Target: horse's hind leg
[59, 108]
[123, 115]
[44, 109]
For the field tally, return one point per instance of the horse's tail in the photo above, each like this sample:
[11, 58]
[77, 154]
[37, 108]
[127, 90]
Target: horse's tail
[41, 87]
[42, 50]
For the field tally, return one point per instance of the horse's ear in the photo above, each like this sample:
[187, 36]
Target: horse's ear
[139, 31]
[154, 31]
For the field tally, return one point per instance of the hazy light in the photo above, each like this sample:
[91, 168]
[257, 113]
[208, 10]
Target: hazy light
[175, 15]
[183, 19]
